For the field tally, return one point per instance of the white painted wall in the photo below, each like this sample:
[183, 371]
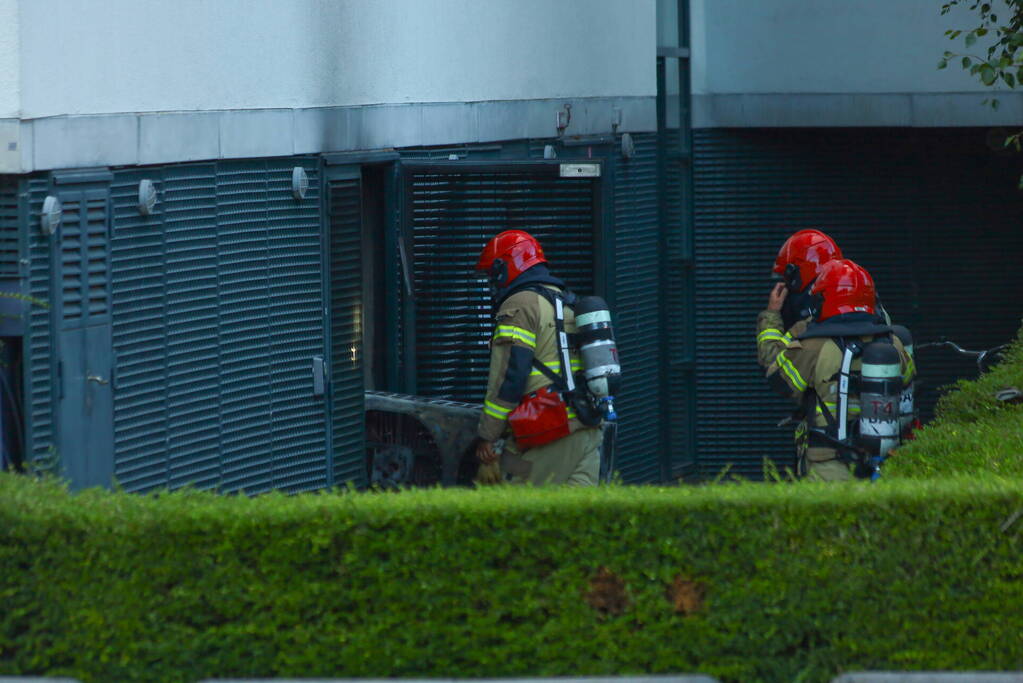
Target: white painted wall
[113, 56]
[10, 60]
[825, 46]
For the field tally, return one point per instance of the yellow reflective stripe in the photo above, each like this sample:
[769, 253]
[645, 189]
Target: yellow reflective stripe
[790, 370]
[571, 414]
[833, 407]
[770, 334]
[517, 333]
[495, 411]
[910, 370]
[556, 367]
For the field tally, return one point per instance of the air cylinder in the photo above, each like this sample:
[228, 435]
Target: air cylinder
[598, 351]
[880, 395]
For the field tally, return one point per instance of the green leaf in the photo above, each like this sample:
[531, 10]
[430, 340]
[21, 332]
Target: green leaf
[1021, 182]
[981, 32]
[1004, 62]
[1009, 79]
[942, 64]
[987, 75]
[971, 38]
[966, 62]
[995, 103]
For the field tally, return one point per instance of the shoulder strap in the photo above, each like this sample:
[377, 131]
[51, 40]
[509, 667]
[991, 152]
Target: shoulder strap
[564, 381]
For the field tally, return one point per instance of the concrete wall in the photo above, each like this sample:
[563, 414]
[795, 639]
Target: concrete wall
[10, 61]
[123, 82]
[88, 57]
[833, 62]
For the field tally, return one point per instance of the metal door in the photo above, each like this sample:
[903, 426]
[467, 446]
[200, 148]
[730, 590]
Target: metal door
[81, 310]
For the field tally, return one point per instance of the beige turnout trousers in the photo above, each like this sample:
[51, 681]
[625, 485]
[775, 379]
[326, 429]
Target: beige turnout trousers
[573, 460]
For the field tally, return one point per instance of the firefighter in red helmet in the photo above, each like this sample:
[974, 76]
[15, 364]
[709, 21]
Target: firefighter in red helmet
[525, 351]
[798, 264]
[829, 365]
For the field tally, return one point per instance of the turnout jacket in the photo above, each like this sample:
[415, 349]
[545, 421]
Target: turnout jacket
[771, 340]
[804, 367]
[525, 329]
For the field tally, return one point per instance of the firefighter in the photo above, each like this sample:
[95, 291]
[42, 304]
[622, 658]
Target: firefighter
[788, 306]
[836, 344]
[526, 373]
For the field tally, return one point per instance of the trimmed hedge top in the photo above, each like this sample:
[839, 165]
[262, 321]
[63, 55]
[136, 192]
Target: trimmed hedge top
[740, 581]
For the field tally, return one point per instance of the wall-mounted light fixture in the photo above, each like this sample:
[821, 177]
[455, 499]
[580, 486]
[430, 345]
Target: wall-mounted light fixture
[51, 215]
[628, 146]
[147, 197]
[299, 183]
[549, 152]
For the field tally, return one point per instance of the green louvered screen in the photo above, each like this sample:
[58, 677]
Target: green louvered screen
[83, 257]
[223, 284]
[141, 273]
[638, 321]
[40, 365]
[932, 213]
[9, 240]
[346, 379]
[453, 211]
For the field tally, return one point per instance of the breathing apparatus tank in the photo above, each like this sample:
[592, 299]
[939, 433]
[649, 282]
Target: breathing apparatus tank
[880, 394]
[599, 352]
[907, 403]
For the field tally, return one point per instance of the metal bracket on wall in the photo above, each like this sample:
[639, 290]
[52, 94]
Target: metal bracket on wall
[319, 377]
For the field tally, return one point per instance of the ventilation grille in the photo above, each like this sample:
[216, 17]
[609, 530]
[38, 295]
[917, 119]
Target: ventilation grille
[452, 216]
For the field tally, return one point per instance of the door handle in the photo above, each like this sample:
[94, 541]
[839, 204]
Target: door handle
[97, 379]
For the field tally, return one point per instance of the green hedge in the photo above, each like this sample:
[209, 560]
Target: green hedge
[973, 431]
[741, 581]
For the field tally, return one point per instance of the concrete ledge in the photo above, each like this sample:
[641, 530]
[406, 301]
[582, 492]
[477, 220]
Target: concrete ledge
[802, 110]
[168, 137]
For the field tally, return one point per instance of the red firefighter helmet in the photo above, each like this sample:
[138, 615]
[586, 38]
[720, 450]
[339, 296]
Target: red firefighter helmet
[800, 259]
[845, 287]
[509, 255]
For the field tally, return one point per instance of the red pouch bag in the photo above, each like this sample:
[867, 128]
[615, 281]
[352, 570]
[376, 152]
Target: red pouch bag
[541, 417]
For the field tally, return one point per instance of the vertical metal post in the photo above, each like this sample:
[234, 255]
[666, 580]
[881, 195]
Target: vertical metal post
[688, 256]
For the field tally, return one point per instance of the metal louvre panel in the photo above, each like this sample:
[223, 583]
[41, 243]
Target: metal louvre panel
[296, 328]
[217, 314]
[242, 240]
[72, 278]
[933, 214]
[9, 242]
[193, 319]
[453, 215]
[39, 364]
[139, 336]
[638, 325]
[346, 379]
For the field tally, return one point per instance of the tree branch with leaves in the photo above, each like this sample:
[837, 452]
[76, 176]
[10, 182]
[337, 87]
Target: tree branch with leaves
[1001, 62]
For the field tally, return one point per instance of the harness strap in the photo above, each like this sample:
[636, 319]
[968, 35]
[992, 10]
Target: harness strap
[564, 381]
[843, 393]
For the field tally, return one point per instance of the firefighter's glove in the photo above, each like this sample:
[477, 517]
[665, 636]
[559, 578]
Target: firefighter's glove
[488, 474]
